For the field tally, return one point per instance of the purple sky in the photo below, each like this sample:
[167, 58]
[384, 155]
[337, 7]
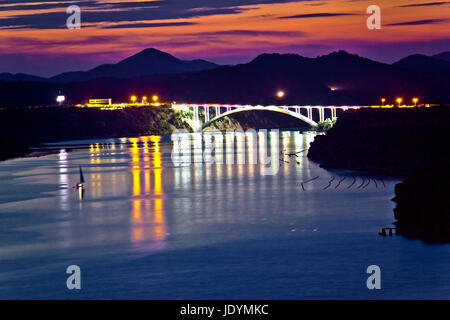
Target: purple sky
[35, 39]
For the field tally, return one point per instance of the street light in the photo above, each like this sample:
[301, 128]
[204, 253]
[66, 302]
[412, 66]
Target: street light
[133, 99]
[399, 101]
[60, 99]
[144, 99]
[415, 100]
[155, 98]
[383, 100]
[280, 94]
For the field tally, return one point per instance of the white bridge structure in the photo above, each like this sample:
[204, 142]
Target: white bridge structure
[222, 110]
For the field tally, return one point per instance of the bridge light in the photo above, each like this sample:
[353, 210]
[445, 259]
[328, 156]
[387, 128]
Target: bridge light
[383, 100]
[155, 98]
[415, 100]
[280, 94]
[133, 99]
[399, 101]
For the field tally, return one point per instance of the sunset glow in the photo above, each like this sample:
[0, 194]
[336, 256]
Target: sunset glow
[35, 38]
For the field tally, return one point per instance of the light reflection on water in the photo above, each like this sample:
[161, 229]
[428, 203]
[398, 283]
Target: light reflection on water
[200, 192]
[63, 180]
[137, 175]
[147, 215]
[138, 202]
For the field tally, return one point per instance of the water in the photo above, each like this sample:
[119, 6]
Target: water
[148, 229]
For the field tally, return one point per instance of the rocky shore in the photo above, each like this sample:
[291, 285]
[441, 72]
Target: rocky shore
[406, 143]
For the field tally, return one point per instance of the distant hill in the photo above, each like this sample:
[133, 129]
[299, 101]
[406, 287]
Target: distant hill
[336, 78]
[339, 78]
[144, 63]
[423, 63]
[19, 77]
[443, 56]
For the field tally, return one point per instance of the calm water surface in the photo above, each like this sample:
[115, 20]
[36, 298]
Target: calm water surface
[149, 229]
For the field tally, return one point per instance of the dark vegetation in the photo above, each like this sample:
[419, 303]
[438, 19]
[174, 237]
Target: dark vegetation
[407, 143]
[324, 126]
[386, 141]
[423, 204]
[22, 128]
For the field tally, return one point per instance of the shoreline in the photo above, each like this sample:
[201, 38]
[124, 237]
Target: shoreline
[38, 154]
[35, 151]
[23, 129]
[405, 144]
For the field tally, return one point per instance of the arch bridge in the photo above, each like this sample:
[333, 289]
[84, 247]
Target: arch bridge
[222, 110]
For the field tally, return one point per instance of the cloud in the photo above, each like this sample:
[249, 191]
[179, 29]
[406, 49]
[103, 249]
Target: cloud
[426, 4]
[52, 12]
[48, 20]
[27, 41]
[416, 22]
[253, 33]
[316, 15]
[148, 25]
[53, 20]
[45, 5]
[315, 4]
[96, 12]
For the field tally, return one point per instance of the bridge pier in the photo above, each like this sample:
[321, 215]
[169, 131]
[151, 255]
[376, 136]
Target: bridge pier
[206, 108]
[321, 114]
[197, 122]
[309, 113]
[195, 110]
[333, 113]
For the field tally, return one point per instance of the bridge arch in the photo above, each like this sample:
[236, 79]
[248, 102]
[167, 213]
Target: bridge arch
[262, 108]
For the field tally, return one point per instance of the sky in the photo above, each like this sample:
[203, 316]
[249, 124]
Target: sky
[34, 37]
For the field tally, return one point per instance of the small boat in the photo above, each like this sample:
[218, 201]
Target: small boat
[80, 184]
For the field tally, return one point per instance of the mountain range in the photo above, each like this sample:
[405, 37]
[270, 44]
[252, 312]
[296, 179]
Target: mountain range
[439, 63]
[336, 78]
[155, 62]
[147, 62]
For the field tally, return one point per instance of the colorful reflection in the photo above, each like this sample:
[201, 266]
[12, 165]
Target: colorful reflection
[245, 154]
[63, 180]
[148, 222]
[95, 186]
